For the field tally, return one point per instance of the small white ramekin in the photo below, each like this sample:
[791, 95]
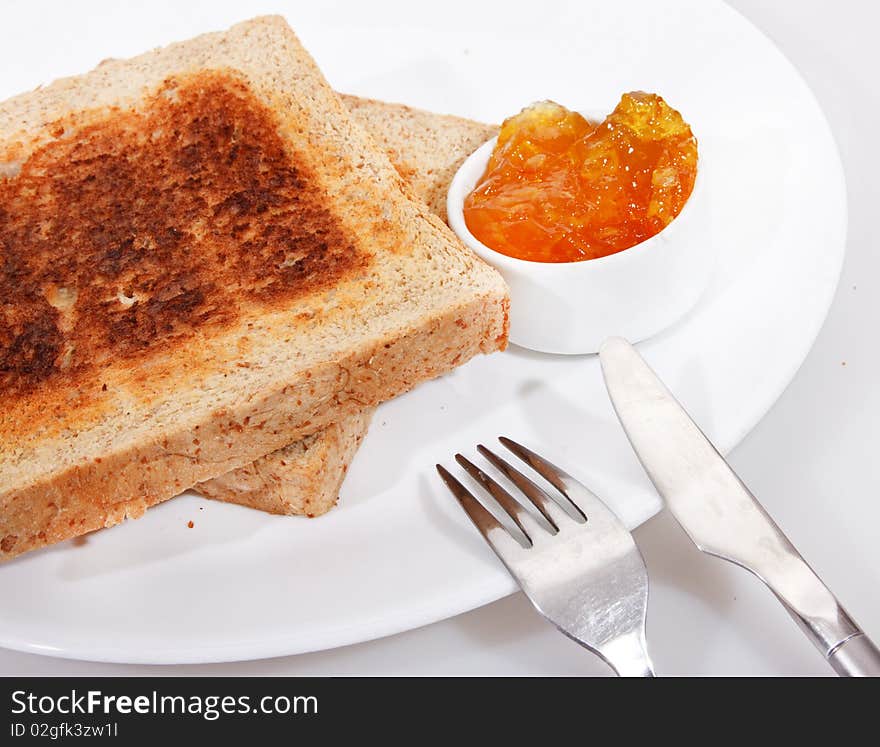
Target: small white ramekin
[571, 307]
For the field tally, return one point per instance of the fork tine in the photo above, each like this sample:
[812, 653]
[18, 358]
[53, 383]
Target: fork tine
[587, 503]
[492, 530]
[550, 509]
[550, 472]
[527, 525]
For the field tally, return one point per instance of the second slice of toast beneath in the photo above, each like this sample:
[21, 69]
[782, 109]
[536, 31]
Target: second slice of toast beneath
[302, 479]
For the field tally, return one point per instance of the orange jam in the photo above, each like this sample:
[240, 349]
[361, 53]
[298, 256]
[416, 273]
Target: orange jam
[559, 188]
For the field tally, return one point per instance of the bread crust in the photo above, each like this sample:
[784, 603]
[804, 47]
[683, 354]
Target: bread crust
[77, 458]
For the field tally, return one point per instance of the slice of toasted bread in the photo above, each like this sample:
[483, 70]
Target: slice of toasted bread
[204, 259]
[305, 477]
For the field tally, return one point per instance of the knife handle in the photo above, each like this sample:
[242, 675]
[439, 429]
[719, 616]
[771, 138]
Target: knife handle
[856, 657]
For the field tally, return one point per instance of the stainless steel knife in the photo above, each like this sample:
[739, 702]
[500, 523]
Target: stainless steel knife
[719, 513]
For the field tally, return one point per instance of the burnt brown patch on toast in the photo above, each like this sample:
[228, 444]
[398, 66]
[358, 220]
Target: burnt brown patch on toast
[147, 227]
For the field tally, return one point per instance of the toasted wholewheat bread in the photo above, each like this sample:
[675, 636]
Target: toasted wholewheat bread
[305, 477]
[204, 259]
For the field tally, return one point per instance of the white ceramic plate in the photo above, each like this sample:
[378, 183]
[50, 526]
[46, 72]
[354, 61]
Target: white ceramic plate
[398, 553]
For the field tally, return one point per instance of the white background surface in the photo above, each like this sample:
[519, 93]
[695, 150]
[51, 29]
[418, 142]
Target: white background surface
[810, 461]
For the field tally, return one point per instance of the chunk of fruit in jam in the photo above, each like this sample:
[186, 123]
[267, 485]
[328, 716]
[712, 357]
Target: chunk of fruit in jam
[558, 188]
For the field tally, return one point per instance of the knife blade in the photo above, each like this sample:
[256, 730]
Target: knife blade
[719, 513]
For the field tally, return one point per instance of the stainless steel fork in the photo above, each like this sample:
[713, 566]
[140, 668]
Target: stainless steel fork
[575, 561]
